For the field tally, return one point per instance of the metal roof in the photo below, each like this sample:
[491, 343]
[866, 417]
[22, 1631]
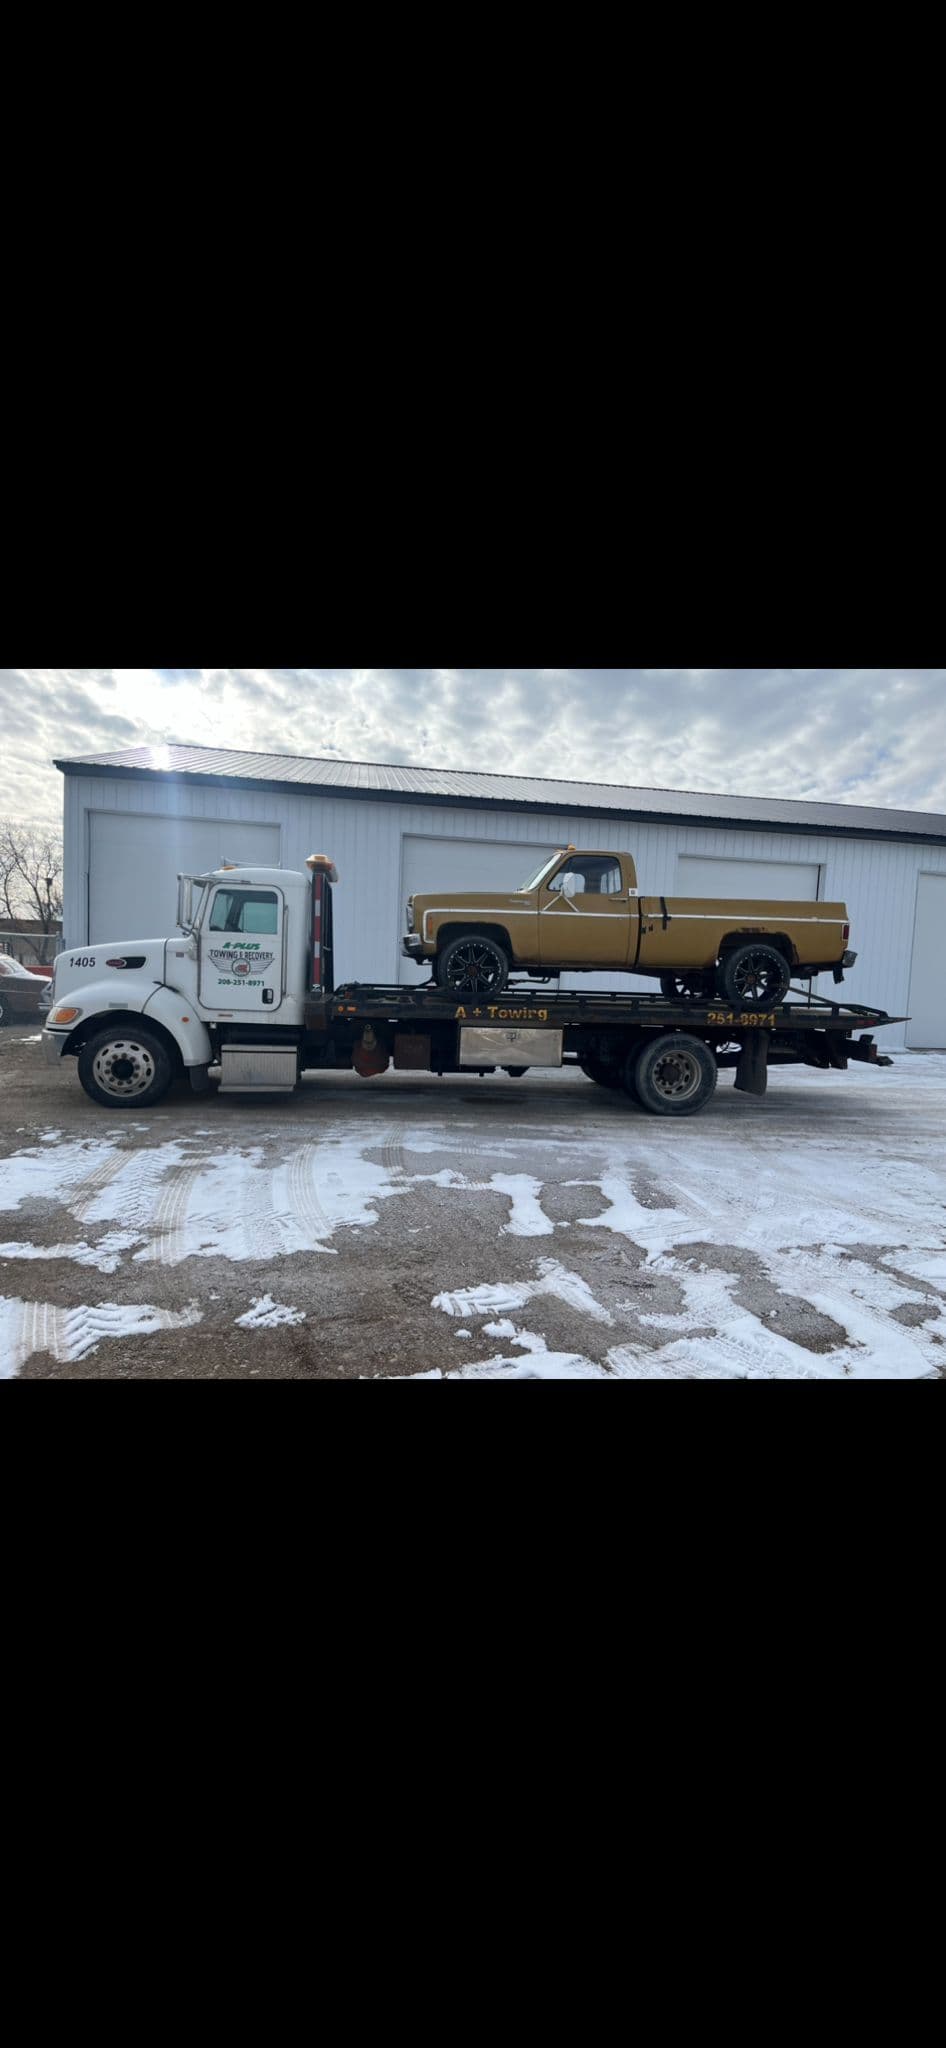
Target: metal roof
[465, 786]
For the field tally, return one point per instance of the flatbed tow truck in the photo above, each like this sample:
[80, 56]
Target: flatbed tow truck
[249, 989]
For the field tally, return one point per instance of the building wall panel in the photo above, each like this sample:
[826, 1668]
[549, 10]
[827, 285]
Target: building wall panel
[876, 878]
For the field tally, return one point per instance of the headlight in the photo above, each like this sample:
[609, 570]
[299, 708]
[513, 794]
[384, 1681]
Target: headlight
[410, 913]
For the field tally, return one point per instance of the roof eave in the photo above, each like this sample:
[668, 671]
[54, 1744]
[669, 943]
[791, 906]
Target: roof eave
[443, 801]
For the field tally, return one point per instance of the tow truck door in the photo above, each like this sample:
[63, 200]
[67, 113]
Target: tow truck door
[241, 951]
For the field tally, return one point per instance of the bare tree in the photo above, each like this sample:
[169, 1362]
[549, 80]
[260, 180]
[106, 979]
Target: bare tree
[30, 880]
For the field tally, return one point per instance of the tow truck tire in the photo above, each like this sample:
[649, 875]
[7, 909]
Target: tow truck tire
[125, 1068]
[674, 1075]
[755, 977]
[473, 966]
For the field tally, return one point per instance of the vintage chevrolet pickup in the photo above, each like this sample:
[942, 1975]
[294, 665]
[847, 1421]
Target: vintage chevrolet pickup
[584, 910]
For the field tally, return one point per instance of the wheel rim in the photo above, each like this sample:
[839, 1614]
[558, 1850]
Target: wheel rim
[123, 1068]
[474, 969]
[676, 1076]
[754, 978]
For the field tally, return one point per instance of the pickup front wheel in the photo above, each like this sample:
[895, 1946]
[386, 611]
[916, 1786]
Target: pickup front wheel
[125, 1069]
[473, 967]
[755, 977]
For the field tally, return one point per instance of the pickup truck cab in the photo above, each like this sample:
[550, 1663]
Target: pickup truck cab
[585, 911]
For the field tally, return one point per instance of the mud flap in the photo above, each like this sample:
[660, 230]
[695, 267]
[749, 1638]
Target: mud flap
[752, 1072]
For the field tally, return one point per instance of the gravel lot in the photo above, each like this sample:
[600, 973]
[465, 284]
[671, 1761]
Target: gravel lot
[482, 1228]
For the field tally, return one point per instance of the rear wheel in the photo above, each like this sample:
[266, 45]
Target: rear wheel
[125, 1069]
[755, 977]
[473, 967]
[4, 1013]
[673, 1075]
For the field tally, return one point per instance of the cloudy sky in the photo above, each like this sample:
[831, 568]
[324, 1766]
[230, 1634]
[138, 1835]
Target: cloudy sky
[844, 735]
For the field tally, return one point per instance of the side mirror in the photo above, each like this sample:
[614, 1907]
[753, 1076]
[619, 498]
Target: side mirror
[185, 902]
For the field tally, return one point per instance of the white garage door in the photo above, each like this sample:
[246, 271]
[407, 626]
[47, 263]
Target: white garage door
[927, 1004]
[134, 863]
[435, 864]
[749, 879]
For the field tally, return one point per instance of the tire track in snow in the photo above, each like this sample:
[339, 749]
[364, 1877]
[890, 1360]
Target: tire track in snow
[170, 1218]
[89, 1190]
[306, 1209]
[32, 1328]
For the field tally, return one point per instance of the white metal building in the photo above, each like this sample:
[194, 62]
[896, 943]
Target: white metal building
[135, 819]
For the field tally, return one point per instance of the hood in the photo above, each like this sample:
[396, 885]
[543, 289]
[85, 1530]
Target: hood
[121, 960]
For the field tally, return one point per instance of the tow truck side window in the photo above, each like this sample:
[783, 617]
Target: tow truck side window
[252, 911]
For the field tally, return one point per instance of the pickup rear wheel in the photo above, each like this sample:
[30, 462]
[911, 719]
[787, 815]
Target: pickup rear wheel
[125, 1069]
[756, 977]
[473, 967]
[673, 1075]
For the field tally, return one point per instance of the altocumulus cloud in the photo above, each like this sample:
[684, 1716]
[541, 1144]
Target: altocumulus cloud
[868, 735]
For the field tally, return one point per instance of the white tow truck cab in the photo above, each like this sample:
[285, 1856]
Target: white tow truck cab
[248, 987]
[254, 945]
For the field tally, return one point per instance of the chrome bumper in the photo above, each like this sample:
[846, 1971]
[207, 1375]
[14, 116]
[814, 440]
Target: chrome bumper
[412, 945]
[53, 1042]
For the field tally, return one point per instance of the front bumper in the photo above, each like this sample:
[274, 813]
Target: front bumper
[413, 946]
[53, 1045]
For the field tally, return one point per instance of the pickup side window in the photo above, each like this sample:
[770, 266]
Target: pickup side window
[245, 910]
[585, 876]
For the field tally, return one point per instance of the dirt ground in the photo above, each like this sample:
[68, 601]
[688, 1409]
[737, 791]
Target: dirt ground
[477, 1228]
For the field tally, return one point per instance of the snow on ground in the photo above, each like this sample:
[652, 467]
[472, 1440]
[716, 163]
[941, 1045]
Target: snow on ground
[71, 1335]
[267, 1314]
[768, 1241]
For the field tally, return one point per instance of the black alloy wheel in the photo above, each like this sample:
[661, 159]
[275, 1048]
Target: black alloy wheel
[473, 967]
[755, 977]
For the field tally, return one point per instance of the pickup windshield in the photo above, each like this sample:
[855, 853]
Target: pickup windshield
[535, 879]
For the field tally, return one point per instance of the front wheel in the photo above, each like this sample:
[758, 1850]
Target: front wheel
[473, 967]
[755, 977]
[125, 1069]
[673, 1075]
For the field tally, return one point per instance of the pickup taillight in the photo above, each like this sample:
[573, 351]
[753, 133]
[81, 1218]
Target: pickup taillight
[847, 933]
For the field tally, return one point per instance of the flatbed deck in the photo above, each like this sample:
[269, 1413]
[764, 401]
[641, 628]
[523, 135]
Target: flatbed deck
[559, 1010]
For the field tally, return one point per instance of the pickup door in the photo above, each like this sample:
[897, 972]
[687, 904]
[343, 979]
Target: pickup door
[586, 917]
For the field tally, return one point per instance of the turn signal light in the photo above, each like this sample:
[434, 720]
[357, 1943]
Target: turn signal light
[64, 1016]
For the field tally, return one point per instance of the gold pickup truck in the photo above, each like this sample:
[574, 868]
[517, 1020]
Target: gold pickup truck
[584, 910]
